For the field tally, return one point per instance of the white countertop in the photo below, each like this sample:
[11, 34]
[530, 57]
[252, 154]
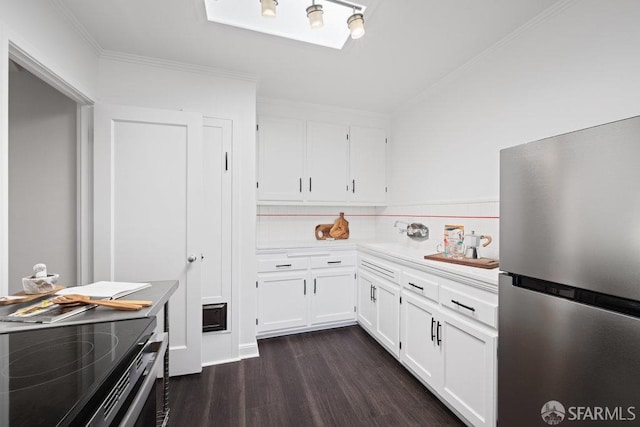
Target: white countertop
[410, 253]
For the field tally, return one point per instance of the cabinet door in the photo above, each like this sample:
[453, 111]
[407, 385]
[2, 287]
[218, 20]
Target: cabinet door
[327, 151]
[368, 159]
[420, 350]
[282, 302]
[387, 305]
[332, 297]
[469, 369]
[280, 159]
[366, 307]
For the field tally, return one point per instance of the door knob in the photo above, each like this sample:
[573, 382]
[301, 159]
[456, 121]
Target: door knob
[192, 258]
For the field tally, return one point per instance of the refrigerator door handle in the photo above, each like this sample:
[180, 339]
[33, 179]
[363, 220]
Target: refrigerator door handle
[438, 329]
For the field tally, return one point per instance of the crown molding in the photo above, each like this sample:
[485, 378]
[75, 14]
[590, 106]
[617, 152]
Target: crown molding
[279, 102]
[177, 65]
[64, 11]
[516, 34]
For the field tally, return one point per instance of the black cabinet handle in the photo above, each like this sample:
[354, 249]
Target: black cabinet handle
[305, 286]
[353, 185]
[314, 286]
[438, 329]
[463, 306]
[334, 262]
[301, 185]
[371, 292]
[433, 334]
[416, 286]
[309, 184]
[283, 265]
[375, 290]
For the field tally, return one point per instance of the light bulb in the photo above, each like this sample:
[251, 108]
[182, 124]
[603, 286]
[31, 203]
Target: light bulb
[314, 13]
[356, 25]
[269, 7]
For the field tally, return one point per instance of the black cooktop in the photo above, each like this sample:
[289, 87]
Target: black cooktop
[53, 376]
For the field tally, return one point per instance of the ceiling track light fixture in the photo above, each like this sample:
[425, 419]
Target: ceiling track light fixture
[315, 15]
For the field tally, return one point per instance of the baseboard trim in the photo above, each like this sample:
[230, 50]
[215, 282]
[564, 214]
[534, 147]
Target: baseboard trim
[247, 351]
[304, 329]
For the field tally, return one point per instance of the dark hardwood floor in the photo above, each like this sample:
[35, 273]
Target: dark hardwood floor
[337, 377]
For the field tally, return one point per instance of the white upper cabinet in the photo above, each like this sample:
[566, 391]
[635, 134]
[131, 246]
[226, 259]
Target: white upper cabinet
[327, 154]
[368, 153]
[280, 159]
[320, 163]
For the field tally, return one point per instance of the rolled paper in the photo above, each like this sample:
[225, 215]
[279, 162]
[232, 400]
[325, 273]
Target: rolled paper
[40, 270]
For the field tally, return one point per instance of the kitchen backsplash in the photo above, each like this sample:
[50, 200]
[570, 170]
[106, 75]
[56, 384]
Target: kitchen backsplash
[286, 224]
[296, 224]
[481, 217]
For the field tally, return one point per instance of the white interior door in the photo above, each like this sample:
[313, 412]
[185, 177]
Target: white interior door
[147, 196]
[216, 227]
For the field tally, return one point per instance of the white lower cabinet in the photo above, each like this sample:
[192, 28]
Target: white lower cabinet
[282, 302]
[469, 357]
[443, 331]
[420, 350]
[454, 357]
[379, 310]
[333, 297]
[297, 293]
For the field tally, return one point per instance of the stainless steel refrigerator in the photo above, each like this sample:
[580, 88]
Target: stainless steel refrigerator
[569, 314]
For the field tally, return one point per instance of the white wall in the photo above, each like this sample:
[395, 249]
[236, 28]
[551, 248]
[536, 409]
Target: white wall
[145, 82]
[575, 66]
[42, 180]
[41, 33]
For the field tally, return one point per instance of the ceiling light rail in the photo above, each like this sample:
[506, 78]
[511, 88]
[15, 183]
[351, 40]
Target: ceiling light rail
[315, 15]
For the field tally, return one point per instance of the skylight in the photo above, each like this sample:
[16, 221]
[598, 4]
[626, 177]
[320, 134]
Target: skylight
[290, 21]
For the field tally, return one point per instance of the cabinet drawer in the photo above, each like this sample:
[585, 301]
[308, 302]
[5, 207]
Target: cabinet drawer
[333, 261]
[380, 269]
[282, 264]
[420, 285]
[482, 311]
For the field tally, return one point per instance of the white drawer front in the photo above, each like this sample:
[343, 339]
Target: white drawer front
[282, 264]
[420, 285]
[482, 311]
[380, 269]
[333, 261]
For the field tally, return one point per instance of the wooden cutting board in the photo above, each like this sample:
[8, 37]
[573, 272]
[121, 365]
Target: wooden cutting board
[29, 297]
[487, 263]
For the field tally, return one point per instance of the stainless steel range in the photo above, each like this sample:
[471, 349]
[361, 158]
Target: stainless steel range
[96, 374]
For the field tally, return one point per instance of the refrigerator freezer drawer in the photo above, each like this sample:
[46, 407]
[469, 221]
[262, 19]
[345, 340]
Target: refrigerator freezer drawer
[584, 360]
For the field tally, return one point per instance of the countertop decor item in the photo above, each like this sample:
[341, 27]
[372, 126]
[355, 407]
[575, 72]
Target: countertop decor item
[340, 229]
[21, 297]
[322, 231]
[40, 282]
